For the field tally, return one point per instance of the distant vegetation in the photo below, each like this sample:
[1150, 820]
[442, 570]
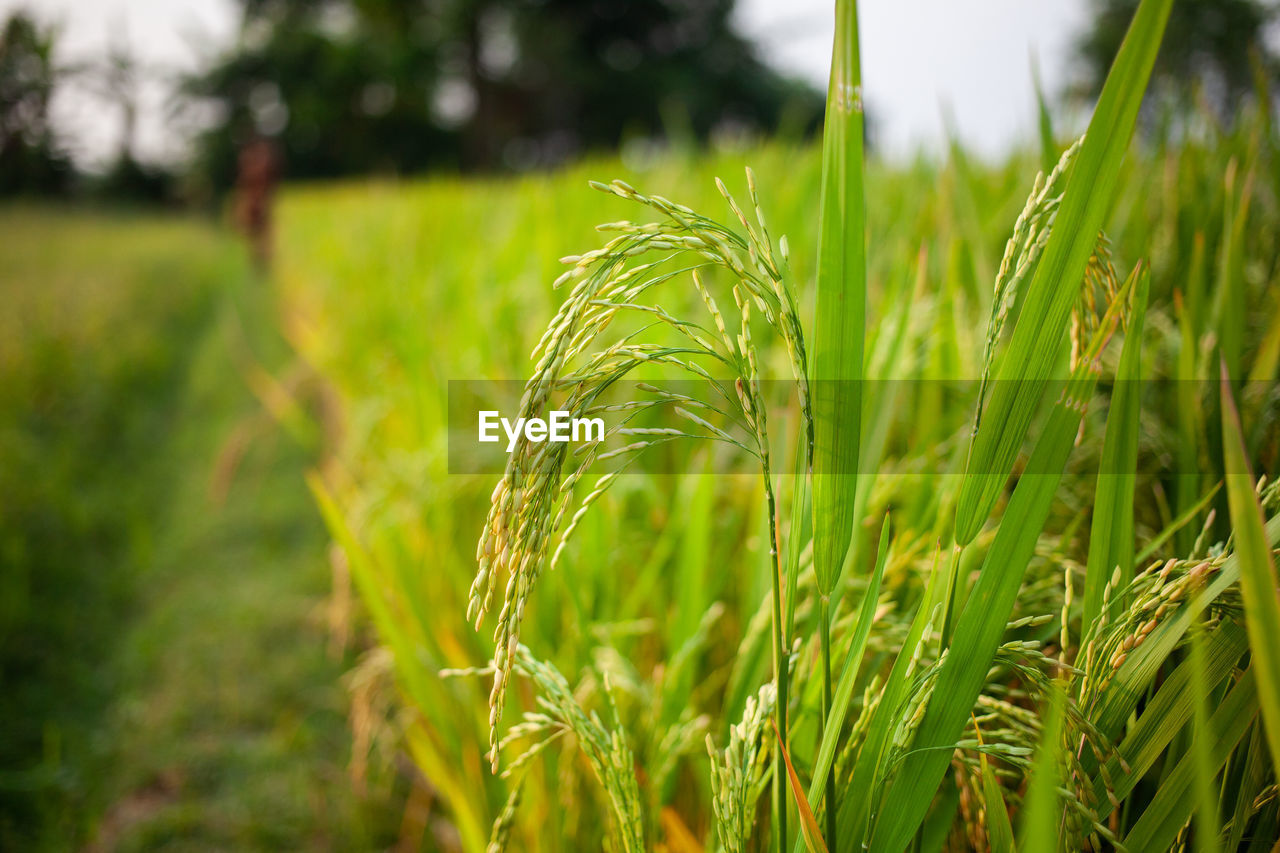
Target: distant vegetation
[31, 160]
[1213, 50]
[348, 87]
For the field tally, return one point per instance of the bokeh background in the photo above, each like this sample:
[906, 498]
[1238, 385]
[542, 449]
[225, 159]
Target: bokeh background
[244, 241]
[174, 86]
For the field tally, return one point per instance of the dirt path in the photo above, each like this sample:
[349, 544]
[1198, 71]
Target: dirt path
[179, 687]
[233, 718]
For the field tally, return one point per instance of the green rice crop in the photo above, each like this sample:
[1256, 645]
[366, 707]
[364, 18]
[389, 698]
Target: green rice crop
[1038, 621]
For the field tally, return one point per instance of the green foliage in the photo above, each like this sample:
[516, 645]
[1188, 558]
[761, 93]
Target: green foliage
[1041, 805]
[1023, 370]
[31, 162]
[952, 659]
[839, 333]
[1258, 585]
[840, 314]
[1111, 533]
[1210, 44]
[352, 87]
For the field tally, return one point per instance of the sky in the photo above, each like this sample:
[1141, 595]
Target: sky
[923, 60]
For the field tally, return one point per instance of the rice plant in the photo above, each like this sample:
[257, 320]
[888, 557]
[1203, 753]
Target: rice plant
[1037, 613]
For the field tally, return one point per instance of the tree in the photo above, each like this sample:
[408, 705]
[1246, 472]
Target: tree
[1207, 43]
[118, 79]
[587, 70]
[358, 85]
[30, 159]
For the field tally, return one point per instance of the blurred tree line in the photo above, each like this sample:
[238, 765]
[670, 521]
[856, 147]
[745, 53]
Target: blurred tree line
[403, 86]
[357, 85]
[1213, 52]
[31, 162]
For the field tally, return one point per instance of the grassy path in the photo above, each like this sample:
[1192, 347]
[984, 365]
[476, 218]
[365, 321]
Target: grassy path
[179, 691]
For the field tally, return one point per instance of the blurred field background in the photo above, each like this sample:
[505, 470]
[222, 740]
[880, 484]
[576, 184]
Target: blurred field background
[156, 541]
[233, 561]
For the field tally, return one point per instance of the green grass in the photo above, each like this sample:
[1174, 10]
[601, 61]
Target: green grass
[164, 656]
[667, 588]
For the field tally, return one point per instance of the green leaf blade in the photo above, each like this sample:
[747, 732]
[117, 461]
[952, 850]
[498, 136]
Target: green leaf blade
[1024, 369]
[1174, 802]
[840, 325]
[1111, 534]
[1257, 570]
[982, 622]
[848, 677]
[1041, 808]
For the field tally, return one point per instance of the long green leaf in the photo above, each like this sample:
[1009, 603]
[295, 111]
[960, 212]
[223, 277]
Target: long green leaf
[857, 806]
[1207, 821]
[849, 676]
[1041, 810]
[982, 622]
[1025, 367]
[1257, 570]
[999, 829]
[1172, 805]
[880, 407]
[1111, 536]
[1166, 714]
[1254, 778]
[1143, 663]
[1187, 477]
[1230, 298]
[1048, 147]
[840, 325]
[942, 815]
[839, 335]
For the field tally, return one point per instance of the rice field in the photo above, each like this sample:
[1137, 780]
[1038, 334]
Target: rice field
[1027, 595]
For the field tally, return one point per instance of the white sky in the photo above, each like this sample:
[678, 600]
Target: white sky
[921, 60]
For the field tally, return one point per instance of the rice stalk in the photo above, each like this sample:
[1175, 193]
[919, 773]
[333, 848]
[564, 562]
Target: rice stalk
[738, 773]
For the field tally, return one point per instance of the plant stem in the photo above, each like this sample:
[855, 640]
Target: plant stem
[824, 630]
[780, 679]
[953, 585]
